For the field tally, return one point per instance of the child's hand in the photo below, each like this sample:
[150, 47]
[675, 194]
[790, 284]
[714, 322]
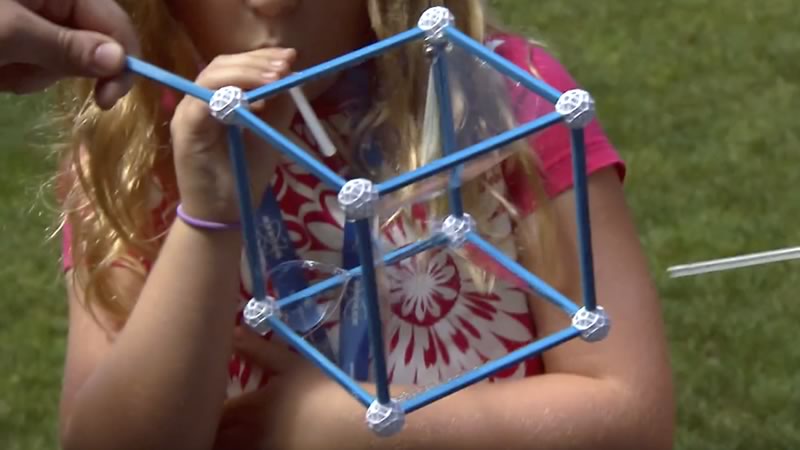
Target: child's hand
[205, 178]
[297, 396]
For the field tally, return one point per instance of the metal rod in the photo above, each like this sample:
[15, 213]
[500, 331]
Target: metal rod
[290, 149]
[488, 369]
[582, 217]
[159, 75]
[461, 156]
[307, 349]
[504, 66]
[534, 282]
[735, 262]
[340, 63]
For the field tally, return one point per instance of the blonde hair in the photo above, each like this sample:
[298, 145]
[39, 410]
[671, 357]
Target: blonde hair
[110, 157]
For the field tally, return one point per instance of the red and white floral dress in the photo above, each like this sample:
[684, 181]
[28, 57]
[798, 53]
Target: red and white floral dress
[439, 324]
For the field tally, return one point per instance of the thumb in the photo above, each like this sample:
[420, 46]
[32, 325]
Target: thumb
[68, 52]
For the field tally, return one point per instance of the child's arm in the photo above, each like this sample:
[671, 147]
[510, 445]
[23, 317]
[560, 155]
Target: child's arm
[616, 394]
[161, 382]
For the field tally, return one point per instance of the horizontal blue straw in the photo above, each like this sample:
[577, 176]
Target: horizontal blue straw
[582, 217]
[372, 302]
[336, 281]
[534, 282]
[340, 63]
[461, 156]
[250, 236]
[314, 355]
[290, 149]
[503, 65]
[488, 369]
[154, 73]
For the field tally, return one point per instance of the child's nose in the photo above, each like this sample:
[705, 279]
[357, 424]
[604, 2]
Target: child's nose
[273, 8]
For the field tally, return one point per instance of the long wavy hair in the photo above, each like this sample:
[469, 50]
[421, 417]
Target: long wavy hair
[109, 158]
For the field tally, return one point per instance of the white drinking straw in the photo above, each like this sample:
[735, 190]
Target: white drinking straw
[323, 140]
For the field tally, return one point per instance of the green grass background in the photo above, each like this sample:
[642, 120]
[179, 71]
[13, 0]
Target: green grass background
[700, 96]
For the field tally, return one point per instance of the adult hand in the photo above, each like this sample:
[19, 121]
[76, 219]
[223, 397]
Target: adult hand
[43, 41]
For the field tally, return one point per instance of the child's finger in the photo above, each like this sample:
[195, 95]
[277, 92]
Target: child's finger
[242, 76]
[272, 357]
[266, 60]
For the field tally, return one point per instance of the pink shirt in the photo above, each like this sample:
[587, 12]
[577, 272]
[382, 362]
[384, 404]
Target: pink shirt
[438, 323]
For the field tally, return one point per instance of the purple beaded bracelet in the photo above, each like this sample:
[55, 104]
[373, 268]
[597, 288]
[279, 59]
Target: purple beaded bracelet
[204, 224]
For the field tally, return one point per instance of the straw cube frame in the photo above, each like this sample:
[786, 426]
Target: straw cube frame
[358, 199]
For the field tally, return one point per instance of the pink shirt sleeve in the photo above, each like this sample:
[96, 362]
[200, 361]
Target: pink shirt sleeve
[66, 246]
[553, 145]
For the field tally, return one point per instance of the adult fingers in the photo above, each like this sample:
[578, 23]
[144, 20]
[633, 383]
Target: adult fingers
[107, 17]
[62, 51]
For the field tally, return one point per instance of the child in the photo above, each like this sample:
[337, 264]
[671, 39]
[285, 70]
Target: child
[153, 360]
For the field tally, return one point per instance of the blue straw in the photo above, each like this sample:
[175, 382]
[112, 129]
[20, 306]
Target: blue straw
[289, 148]
[583, 220]
[538, 286]
[370, 285]
[236, 150]
[338, 280]
[309, 351]
[447, 127]
[477, 150]
[488, 369]
[340, 63]
[154, 73]
[503, 65]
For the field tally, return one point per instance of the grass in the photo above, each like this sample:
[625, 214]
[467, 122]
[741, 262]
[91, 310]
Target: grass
[700, 96]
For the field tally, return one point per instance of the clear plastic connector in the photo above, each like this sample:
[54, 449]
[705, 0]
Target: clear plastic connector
[359, 199]
[456, 229]
[257, 312]
[593, 325]
[385, 420]
[578, 108]
[225, 102]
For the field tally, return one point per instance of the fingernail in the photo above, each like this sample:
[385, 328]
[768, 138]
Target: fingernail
[277, 64]
[269, 76]
[108, 58]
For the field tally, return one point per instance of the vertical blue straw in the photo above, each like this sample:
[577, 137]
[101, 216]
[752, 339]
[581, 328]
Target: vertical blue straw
[237, 149]
[375, 327]
[447, 125]
[582, 217]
